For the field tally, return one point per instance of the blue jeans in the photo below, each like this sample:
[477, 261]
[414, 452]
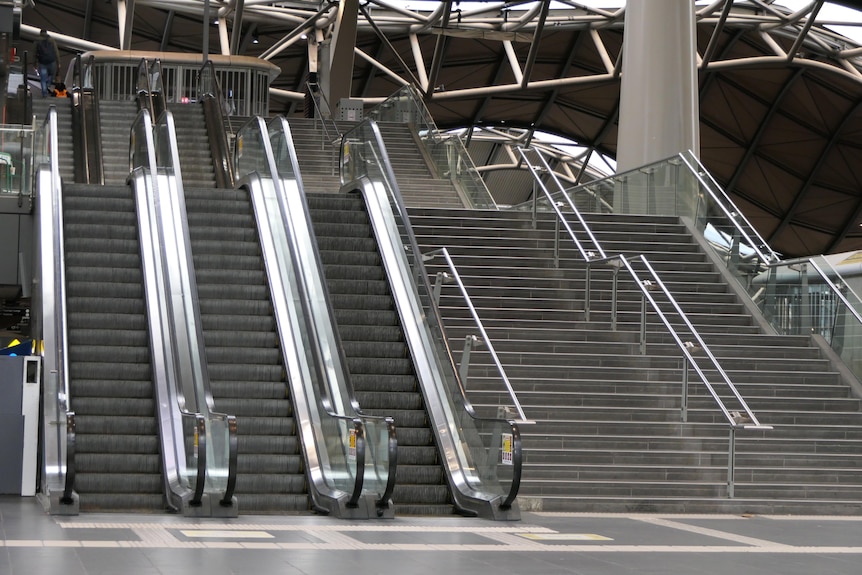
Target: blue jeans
[46, 76]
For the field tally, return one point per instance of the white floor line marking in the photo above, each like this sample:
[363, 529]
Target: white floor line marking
[356, 546]
[512, 539]
[337, 527]
[710, 532]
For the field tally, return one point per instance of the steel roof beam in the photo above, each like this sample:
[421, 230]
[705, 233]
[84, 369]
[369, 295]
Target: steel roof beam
[812, 174]
[534, 46]
[761, 130]
[439, 51]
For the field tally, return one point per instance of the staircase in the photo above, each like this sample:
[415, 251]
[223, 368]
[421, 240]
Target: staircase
[318, 158]
[117, 462]
[377, 355]
[116, 119]
[608, 435]
[320, 170]
[193, 143]
[418, 185]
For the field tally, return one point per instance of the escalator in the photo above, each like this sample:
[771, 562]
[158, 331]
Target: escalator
[118, 466]
[378, 358]
[247, 374]
[117, 463]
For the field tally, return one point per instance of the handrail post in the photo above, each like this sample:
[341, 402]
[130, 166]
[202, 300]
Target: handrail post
[731, 464]
[587, 293]
[804, 301]
[614, 290]
[643, 325]
[556, 242]
[535, 205]
[684, 402]
[464, 368]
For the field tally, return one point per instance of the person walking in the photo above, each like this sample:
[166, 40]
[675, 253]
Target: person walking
[47, 57]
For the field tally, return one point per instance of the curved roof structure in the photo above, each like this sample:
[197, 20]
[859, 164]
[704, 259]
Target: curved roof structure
[780, 93]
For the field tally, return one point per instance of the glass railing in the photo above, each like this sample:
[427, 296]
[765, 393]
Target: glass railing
[810, 296]
[16, 159]
[800, 296]
[550, 194]
[446, 151]
[201, 442]
[58, 432]
[482, 455]
[351, 456]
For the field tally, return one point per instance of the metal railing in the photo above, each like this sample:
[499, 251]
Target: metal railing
[198, 444]
[800, 296]
[738, 416]
[324, 115]
[57, 479]
[86, 123]
[218, 123]
[484, 339]
[447, 153]
[482, 455]
[350, 456]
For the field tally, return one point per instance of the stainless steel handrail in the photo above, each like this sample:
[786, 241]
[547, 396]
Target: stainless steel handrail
[486, 339]
[317, 369]
[314, 88]
[179, 366]
[58, 460]
[735, 420]
[748, 231]
[435, 368]
[143, 89]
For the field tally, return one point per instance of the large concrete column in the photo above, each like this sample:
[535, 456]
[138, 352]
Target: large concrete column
[659, 113]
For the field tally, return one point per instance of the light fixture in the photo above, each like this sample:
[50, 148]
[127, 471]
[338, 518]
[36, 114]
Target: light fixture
[254, 39]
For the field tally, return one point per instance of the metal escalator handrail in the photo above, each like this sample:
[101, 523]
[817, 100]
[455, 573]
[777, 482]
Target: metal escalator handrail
[204, 403]
[165, 278]
[201, 447]
[143, 89]
[215, 124]
[316, 364]
[514, 426]
[89, 149]
[68, 497]
[156, 86]
[58, 419]
[143, 167]
[411, 245]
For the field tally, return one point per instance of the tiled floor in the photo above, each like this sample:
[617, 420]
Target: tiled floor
[542, 543]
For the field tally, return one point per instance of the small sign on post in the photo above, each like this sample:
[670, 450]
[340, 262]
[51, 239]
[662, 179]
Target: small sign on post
[506, 452]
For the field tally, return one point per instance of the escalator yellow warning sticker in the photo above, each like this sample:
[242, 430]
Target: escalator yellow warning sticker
[506, 451]
[351, 453]
[564, 537]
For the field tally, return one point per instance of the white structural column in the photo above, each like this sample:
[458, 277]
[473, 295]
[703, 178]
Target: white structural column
[659, 113]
